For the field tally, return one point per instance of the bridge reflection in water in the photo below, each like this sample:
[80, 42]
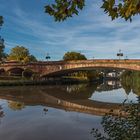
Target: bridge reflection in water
[69, 98]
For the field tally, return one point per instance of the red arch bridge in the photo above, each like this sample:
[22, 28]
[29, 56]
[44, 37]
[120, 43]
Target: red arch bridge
[51, 68]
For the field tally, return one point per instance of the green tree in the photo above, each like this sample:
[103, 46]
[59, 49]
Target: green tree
[63, 9]
[122, 126]
[20, 53]
[1, 20]
[32, 58]
[74, 56]
[2, 46]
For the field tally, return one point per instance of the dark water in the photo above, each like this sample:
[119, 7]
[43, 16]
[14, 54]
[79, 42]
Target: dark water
[61, 112]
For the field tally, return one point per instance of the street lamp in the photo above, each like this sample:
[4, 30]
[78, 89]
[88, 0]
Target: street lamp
[48, 56]
[119, 54]
[126, 57]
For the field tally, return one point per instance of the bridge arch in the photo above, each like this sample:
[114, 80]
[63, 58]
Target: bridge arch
[2, 71]
[61, 67]
[15, 71]
[28, 73]
[62, 72]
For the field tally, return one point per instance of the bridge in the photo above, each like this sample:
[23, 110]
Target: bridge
[50, 68]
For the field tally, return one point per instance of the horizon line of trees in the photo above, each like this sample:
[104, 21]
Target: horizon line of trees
[18, 53]
[22, 54]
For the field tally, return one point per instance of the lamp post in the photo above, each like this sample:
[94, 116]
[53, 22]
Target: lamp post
[119, 54]
[48, 56]
[126, 57]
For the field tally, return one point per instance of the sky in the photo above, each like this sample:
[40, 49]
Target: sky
[91, 33]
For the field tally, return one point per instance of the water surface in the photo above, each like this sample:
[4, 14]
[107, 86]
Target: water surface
[57, 112]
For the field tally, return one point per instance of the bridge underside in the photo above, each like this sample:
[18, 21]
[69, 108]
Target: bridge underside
[69, 71]
[15, 71]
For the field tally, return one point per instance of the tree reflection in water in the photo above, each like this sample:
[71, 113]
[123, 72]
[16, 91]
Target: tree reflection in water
[130, 81]
[1, 113]
[14, 105]
[124, 126]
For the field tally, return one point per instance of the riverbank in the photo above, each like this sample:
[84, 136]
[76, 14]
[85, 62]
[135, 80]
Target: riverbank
[22, 82]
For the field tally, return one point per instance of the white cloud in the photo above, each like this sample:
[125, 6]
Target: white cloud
[92, 32]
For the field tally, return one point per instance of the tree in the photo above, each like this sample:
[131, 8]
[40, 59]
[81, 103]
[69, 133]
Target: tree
[32, 58]
[63, 9]
[74, 56]
[2, 46]
[20, 53]
[122, 126]
[1, 20]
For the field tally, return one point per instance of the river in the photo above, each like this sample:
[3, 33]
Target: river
[58, 112]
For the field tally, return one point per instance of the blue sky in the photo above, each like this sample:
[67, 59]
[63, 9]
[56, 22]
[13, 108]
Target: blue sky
[91, 33]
